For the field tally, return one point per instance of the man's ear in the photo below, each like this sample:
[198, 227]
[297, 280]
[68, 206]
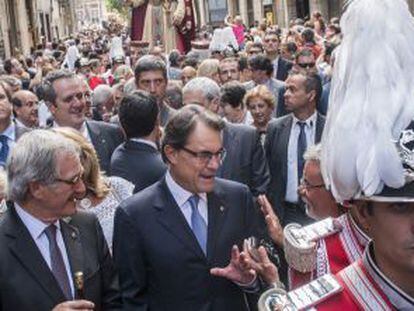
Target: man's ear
[312, 96]
[36, 189]
[363, 213]
[171, 154]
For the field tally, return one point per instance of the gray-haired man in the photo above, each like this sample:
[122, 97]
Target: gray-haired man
[43, 250]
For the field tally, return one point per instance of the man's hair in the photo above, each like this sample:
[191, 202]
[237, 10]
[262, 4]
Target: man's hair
[261, 62]
[313, 82]
[101, 94]
[273, 32]
[313, 153]
[243, 63]
[49, 94]
[207, 86]
[232, 93]
[174, 58]
[138, 113]
[150, 63]
[34, 158]
[208, 67]
[305, 52]
[183, 123]
[229, 60]
[8, 66]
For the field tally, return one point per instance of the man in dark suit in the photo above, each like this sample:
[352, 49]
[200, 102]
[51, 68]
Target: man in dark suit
[245, 161]
[67, 103]
[138, 159]
[286, 140]
[168, 236]
[281, 67]
[10, 131]
[44, 242]
[151, 76]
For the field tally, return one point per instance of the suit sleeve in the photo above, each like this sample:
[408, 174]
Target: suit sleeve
[111, 296]
[260, 170]
[129, 259]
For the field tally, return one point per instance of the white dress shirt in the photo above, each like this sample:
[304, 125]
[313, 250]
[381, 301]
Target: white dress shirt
[83, 130]
[146, 142]
[37, 230]
[181, 196]
[292, 157]
[275, 66]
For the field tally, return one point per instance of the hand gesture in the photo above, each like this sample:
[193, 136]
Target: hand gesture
[237, 270]
[262, 265]
[84, 305]
[274, 227]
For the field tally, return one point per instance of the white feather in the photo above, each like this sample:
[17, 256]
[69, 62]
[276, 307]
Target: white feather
[371, 98]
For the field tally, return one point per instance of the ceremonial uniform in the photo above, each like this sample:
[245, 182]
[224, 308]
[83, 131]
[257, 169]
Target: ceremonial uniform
[342, 246]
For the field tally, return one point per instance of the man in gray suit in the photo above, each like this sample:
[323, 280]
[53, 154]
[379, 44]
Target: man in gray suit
[46, 245]
[287, 139]
[245, 161]
[67, 103]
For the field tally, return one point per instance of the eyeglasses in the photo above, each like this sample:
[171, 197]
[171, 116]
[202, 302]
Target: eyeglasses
[73, 181]
[306, 65]
[205, 156]
[305, 184]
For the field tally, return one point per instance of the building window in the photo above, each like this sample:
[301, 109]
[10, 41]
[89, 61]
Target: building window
[217, 10]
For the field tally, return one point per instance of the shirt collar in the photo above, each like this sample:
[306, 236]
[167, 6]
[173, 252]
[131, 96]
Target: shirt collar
[10, 132]
[398, 298]
[35, 226]
[19, 123]
[145, 141]
[180, 194]
[311, 121]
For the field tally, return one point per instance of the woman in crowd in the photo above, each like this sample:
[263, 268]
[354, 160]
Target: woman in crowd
[261, 104]
[103, 194]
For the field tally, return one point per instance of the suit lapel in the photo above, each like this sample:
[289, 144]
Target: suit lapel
[284, 144]
[319, 128]
[26, 252]
[230, 143]
[173, 220]
[98, 141]
[217, 212]
[73, 244]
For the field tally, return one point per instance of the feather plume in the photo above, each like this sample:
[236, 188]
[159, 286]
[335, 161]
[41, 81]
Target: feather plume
[371, 99]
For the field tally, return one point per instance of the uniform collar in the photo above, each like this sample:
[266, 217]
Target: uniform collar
[398, 298]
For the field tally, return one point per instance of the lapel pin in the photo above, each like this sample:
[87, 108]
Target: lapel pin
[221, 208]
[73, 235]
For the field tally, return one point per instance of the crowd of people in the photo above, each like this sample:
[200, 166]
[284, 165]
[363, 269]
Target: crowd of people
[136, 179]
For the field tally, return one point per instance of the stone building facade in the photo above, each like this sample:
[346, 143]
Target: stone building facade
[90, 12]
[277, 11]
[28, 22]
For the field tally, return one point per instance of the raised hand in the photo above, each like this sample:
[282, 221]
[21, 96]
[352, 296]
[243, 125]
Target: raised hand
[274, 227]
[237, 270]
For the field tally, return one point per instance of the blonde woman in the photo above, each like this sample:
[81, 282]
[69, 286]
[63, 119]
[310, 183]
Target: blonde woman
[103, 194]
[261, 104]
[209, 68]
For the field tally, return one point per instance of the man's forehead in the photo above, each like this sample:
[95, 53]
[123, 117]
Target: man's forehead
[151, 74]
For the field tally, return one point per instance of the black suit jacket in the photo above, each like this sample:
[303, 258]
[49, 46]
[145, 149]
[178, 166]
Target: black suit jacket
[26, 280]
[276, 148]
[105, 138]
[283, 68]
[161, 264]
[138, 163]
[245, 161]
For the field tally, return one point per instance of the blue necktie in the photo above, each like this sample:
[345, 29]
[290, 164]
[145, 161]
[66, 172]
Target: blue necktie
[198, 224]
[57, 263]
[4, 152]
[302, 145]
